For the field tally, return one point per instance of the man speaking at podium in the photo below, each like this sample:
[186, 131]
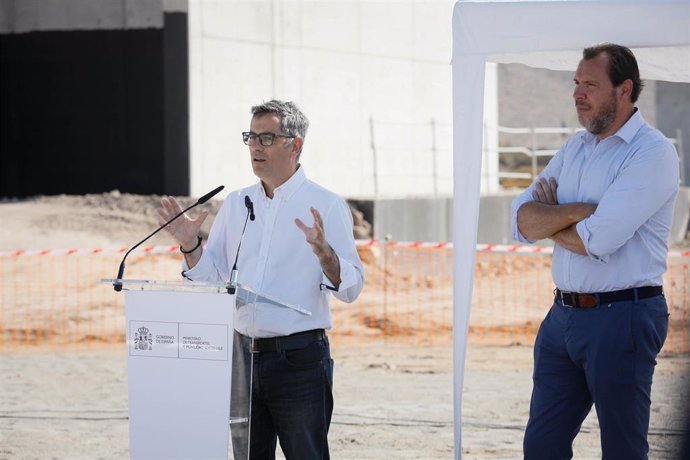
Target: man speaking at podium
[299, 249]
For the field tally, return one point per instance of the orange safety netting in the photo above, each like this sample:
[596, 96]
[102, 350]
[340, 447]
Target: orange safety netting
[56, 299]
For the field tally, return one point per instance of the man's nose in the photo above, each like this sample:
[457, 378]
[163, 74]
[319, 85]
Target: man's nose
[578, 93]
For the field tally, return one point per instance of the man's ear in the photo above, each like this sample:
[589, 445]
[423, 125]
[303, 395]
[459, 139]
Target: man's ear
[297, 144]
[626, 88]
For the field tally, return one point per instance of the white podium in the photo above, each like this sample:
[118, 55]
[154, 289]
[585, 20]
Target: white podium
[183, 398]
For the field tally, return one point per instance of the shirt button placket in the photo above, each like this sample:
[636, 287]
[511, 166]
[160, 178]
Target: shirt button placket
[266, 239]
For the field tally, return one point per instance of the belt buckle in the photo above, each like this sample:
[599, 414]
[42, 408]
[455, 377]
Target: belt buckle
[562, 297]
[583, 301]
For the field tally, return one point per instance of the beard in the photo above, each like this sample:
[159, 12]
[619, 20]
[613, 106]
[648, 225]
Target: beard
[600, 121]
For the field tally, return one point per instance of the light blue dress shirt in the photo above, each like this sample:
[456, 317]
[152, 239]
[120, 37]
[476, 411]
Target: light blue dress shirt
[275, 258]
[633, 177]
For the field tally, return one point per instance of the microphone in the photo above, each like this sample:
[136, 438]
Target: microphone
[117, 285]
[207, 197]
[250, 206]
[232, 285]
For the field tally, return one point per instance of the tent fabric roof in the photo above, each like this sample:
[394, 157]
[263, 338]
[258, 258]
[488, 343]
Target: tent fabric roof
[653, 62]
[551, 33]
[548, 34]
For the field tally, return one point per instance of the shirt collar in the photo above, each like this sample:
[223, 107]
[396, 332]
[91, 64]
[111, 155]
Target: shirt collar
[289, 187]
[631, 127]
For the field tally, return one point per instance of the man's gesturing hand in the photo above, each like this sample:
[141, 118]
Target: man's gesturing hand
[316, 237]
[184, 229]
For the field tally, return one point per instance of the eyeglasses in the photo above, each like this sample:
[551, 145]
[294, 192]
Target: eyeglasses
[265, 139]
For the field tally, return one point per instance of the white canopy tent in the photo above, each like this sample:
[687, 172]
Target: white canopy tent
[549, 34]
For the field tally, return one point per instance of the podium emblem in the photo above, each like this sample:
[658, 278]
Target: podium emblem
[143, 339]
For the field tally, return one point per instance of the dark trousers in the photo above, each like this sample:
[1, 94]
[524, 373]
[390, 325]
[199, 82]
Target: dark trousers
[292, 401]
[604, 356]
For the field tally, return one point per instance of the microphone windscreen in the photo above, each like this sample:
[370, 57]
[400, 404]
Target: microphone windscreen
[210, 195]
[250, 207]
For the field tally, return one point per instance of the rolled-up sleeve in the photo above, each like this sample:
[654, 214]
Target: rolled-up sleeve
[351, 282]
[586, 237]
[647, 181]
[204, 270]
[524, 197]
[338, 228]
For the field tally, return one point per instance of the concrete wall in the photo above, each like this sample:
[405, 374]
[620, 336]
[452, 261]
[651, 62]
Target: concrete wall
[432, 219]
[374, 79]
[346, 64]
[681, 218]
[673, 115]
[420, 219]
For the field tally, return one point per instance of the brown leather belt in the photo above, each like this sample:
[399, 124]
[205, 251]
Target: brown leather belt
[590, 300]
[286, 342]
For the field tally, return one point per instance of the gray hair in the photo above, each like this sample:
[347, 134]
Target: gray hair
[292, 121]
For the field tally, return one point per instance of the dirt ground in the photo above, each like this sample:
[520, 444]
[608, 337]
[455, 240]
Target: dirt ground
[391, 401]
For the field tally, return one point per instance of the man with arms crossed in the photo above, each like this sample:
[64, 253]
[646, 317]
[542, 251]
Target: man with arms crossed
[284, 257]
[606, 200]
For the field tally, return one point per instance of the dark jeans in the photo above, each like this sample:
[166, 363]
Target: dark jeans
[603, 356]
[292, 402]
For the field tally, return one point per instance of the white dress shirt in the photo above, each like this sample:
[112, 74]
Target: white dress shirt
[275, 258]
[633, 176]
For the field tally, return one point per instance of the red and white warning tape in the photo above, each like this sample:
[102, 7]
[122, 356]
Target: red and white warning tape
[499, 248]
[88, 252]
[405, 244]
[505, 248]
